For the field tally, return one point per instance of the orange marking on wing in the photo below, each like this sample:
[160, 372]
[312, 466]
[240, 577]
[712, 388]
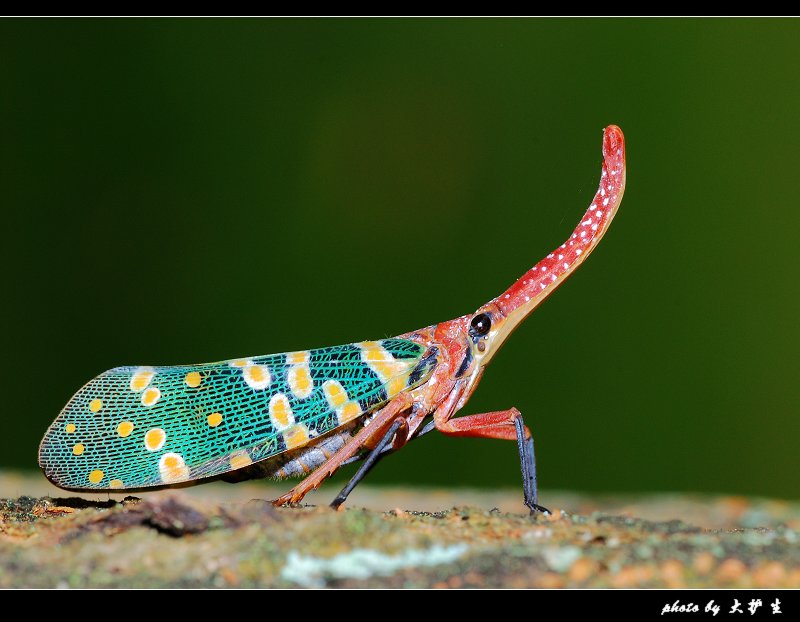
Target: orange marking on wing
[150, 396]
[155, 439]
[141, 379]
[280, 413]
[193, 379]
[172, 468]
[240, 460]
[348, 412]
[296, 436]
[334, 393]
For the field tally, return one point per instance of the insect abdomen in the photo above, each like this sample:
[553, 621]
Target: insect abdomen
[296, 463]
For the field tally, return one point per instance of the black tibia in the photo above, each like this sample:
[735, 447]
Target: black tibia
[371, 460]
[527, 460]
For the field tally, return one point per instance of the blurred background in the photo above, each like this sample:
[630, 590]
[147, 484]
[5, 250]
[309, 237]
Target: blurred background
[179, 191]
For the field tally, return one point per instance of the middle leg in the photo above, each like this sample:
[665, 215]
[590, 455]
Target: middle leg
[398, 431]
[376, 427]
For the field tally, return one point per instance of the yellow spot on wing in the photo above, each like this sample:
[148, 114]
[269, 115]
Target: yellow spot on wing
[193, 379]
[396, 385]
[125, 428]
[151, 396]
[70, 428]
[239, 362]
[141, 379]
[348, 412]
[240, 459]
[392, 372]
[300, 381]
[257, 376]
[334, 393]
[78, 449]
[296, 436]
[375, 352]
[96, 476]
[280, 413]
[95, 405]
[294, 358]
[172, 468]
[155, 439]
[115, 483]
[214, 419]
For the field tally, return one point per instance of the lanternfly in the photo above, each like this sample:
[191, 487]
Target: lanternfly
[310, 412]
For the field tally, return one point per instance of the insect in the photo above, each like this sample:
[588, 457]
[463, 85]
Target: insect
[309, 412]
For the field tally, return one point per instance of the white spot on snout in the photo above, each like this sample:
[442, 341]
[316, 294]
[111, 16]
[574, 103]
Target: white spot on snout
[605, 201]
[579, 251]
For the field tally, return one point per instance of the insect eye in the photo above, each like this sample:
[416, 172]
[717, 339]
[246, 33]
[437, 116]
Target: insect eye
[481, 323]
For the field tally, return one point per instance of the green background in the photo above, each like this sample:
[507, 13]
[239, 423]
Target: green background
[182, 191]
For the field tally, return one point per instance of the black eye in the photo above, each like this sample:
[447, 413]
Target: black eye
[481, 323]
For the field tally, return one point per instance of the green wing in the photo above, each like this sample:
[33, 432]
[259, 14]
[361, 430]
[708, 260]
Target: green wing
[137, 427]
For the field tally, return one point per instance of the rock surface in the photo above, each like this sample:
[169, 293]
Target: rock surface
[220, 535]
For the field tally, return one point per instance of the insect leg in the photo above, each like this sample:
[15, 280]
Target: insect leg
[372, 459]
[504, 425]
[377, 426]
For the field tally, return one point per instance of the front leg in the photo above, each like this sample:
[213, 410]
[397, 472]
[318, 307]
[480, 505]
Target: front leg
[504, 425]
